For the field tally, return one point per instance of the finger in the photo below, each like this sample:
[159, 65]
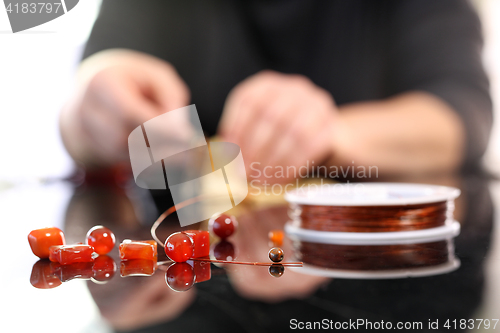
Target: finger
[243, 95]
[312, 144]
[248, 113]
[291, 148]
[273, 121]
[168, 89]
[121, 96]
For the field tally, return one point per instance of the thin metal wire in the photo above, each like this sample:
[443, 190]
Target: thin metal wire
[183, 204]
[166, 213]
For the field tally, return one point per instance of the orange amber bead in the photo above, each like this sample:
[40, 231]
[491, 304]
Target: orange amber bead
[54, 252]
[201, 241]
[130, 249]
[41, 239]
[42, 276]
[137, 267]
[69, 254]
[276, 237]
[101, 238]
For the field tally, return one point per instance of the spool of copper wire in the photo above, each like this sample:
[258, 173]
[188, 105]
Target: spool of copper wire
[372, 207]
[372, 218]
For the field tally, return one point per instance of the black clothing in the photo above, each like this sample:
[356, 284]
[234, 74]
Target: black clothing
[358, 50]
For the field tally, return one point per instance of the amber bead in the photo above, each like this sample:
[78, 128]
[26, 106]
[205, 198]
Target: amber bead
[137, 267]
[54, 253]
[276, 270]
[69, 254]
[180, 276]
[223, 225]
[201, 241]
[101, 238]
[276, 237]
[276, 254]
[42, 239]
[179, 247]
[104, 268]
[130, 249]
[42, 276]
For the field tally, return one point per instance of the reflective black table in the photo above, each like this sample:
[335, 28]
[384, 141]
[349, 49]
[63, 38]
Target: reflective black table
[448, 285]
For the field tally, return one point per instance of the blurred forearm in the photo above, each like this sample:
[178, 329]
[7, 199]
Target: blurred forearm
[412, 133]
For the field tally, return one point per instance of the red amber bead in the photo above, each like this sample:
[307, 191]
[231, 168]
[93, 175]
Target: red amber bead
[69, 254]
[224, 250]
[42, 276]
[137, 267]
[223, 225]
[104, 268]
[202, 270]
[41, 239]
[180, 276]
[201, 241]
[179, 247]
[101, 238]
[130, 249]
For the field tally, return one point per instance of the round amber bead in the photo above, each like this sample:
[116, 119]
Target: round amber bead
[276, 254]
[101, 238]
[179, 247]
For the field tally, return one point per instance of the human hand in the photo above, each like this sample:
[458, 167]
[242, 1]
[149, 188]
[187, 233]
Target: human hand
[280, 120]
[117, 91]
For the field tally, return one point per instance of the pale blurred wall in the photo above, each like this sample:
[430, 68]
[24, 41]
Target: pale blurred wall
[489, 11]
[36, 76]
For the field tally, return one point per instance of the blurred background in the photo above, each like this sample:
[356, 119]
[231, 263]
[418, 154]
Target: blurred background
[36, 76]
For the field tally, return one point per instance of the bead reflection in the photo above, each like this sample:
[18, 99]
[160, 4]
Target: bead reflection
[46, 274]
[276, 270]
[224, 250]
[78, 270]
[42, 276]
[202, 270]
[377, 261]
[137, 267]
[180, 276]
[104, 269]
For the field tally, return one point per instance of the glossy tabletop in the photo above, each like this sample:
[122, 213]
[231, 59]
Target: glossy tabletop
[444, 283]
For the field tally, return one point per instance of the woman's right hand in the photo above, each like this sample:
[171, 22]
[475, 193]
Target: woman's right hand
[117, 90]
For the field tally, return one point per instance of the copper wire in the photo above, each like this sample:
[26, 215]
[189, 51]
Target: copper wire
[371, 218]
[173, 209]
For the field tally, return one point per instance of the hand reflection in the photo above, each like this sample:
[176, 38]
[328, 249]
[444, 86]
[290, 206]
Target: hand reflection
[256, 283]
[131, 303]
